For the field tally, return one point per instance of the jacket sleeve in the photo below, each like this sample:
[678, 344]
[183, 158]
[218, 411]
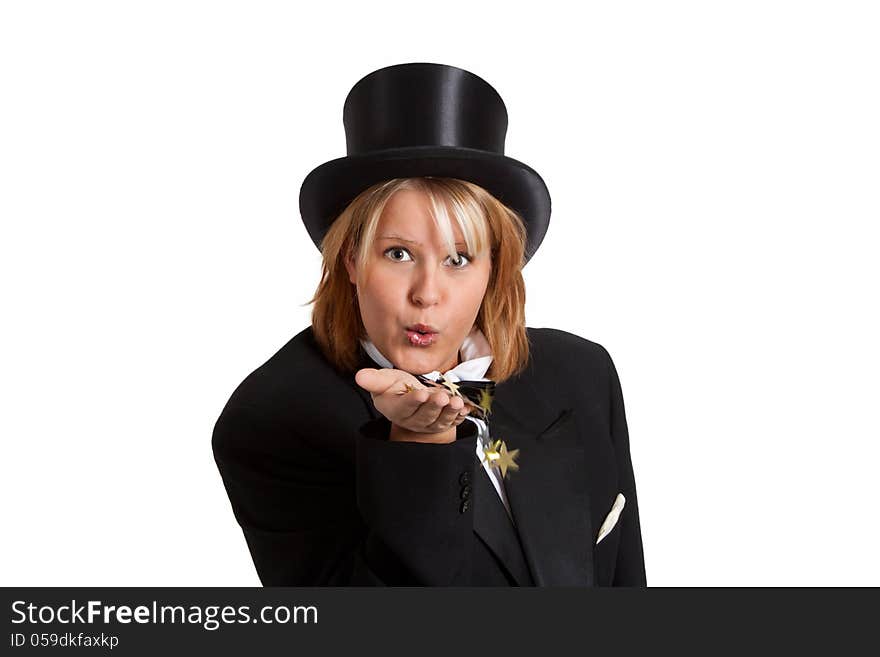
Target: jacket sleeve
[307, 522]
[630, 567]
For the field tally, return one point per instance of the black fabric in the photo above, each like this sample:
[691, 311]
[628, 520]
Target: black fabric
[324, 498]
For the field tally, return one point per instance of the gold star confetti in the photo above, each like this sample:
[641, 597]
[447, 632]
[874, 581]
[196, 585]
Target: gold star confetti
[498, 456]
[452, 387]
[409, 388]
[486, 400]
[477, 395]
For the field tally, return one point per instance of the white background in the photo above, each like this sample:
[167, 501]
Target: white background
[714, 172]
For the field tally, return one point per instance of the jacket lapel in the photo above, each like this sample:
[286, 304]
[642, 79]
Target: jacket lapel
[548, 493]
[493, 526]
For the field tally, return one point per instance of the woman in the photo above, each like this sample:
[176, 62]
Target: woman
[418, 433]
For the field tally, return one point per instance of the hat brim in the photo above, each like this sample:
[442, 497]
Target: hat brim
[330, 187]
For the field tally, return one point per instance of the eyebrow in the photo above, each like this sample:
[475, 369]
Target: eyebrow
[402, 239]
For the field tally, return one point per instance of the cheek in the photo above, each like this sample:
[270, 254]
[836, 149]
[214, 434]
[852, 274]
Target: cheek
[466, 303]
[380, 298]
[476, 290]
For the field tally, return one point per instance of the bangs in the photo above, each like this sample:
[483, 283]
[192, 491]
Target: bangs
[449, 201]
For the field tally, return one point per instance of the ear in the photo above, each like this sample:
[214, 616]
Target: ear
[350, 266]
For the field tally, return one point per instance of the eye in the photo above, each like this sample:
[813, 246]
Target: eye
[394, 249]
[464, 259]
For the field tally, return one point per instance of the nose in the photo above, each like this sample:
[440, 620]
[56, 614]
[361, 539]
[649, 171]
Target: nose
[426, 288]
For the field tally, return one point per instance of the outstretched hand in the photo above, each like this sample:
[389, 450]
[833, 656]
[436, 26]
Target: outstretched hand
[401, 398]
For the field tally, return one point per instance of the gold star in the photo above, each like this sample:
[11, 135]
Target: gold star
[485, 400]
[497, 455]
[506, 460]
[451, 386]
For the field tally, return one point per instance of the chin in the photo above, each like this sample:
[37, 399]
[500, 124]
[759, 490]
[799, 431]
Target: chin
[420, 365]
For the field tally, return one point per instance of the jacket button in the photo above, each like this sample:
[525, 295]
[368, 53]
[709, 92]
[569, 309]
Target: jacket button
[465, 478]
[465, 492]
[465, 505]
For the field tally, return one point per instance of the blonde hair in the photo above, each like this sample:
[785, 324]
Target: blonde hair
[485, 222]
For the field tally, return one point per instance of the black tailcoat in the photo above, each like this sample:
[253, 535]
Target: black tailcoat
[324, 498]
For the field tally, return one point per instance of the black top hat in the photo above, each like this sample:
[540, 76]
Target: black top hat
[422, 119]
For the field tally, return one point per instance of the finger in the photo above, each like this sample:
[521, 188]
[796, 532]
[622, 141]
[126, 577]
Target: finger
[374, 381]
[449, 413]
[412, 402]
[427, 414]
[381, 381]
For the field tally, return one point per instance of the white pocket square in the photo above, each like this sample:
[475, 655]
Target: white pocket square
[611, 518]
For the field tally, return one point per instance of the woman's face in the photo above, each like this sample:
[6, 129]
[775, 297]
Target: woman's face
[409, 279]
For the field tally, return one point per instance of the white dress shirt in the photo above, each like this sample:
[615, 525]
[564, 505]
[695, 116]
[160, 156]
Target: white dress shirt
[475, 356]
